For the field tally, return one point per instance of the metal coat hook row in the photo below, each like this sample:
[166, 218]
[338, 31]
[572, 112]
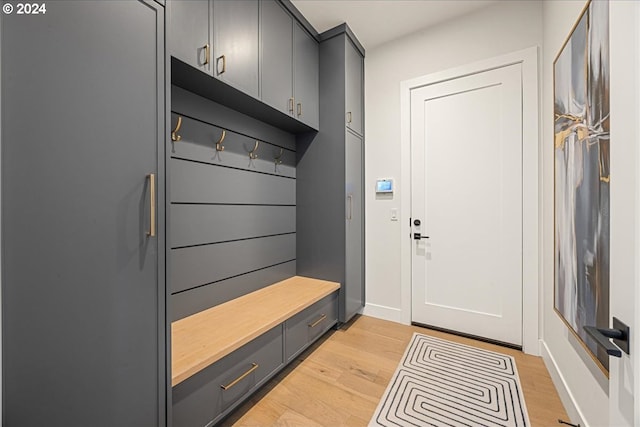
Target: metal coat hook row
[278, 158]
[174, 133]
[252, 153]
[219, 146]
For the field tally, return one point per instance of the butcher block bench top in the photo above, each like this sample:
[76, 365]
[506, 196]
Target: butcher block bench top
[203, 338]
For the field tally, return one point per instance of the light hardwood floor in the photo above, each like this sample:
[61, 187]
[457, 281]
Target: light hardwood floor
[339, 381]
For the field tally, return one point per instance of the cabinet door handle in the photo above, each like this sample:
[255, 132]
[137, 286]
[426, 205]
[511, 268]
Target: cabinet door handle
[314, 324]
[350, 215]
[291, 102]
[207, 54]
[253, 367]
[224, 64]
[349, 117]
[152, 205]
[299, 109]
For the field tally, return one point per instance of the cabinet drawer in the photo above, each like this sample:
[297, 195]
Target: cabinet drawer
[201, 399]
[303, 328]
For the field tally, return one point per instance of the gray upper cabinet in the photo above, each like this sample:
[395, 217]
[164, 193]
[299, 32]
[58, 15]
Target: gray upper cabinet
[289, 65]
[235, 37]
[277, 57]
[263, 59]
[306, 80]
[83, 286]
[354, 90]
[190, 33]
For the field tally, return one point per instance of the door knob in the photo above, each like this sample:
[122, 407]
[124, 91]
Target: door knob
[619, 333]
[418, 236]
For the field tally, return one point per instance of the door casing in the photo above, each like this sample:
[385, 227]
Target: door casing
[624, 303]
[530, 187]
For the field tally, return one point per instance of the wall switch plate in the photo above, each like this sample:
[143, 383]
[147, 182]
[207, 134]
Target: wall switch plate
[394, 214]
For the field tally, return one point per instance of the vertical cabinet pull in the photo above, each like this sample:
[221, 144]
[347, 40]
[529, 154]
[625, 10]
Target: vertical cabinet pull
[317, 322]
[207, 54]
[253, 367]
[350, 214]
[222, 59]
[291, 102]
[152, 205]
[299, 109]
[349, 117]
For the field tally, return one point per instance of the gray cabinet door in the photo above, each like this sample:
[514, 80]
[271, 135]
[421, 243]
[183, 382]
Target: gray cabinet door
[235, 38]
[354, 92]
[306, 79]
[190, 33]
[277, 60]
[82, 282]
[353, 294]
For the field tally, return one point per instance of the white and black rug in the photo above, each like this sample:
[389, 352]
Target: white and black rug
[442, 383]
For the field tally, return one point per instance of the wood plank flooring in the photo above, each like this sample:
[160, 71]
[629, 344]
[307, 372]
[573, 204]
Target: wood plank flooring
[339, 381]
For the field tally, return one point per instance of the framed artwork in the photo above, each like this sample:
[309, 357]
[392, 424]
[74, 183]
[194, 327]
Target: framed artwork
[581, 163]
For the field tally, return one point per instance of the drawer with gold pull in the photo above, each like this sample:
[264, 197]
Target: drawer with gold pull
[305, 327]
[213, 392]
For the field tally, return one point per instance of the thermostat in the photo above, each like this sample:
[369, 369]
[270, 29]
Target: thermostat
[384, 186]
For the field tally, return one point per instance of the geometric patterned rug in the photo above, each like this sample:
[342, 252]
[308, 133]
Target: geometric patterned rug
[441, 383]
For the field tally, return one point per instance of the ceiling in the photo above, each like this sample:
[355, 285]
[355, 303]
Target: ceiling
[378, 21]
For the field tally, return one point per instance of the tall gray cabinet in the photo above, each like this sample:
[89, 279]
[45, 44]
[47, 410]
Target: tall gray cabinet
[330, 218]
[83, 282]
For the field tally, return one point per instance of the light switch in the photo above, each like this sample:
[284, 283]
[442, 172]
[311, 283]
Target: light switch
[394, 214]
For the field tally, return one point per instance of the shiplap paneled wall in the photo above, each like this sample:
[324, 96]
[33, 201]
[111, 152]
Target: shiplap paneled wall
[232, 219]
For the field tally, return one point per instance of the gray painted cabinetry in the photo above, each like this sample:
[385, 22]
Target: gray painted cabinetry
[355, 81]
[206, 397]
[218, 37]
[191, 32]
[259, 48]
[353, 299]
[201, 400]
[234, 218]
[330, 217]
[305, 327]
[235, 38]
[277, 56]
[83, 286]
[306, 67]
[289, 64]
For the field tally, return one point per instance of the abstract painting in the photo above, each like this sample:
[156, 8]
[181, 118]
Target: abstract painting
[581, 151]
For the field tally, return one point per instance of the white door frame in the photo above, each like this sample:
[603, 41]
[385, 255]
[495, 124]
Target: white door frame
[624, 41]
[531, 154]
[636, 336]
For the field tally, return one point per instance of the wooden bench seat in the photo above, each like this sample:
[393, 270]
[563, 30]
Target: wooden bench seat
[206, 337]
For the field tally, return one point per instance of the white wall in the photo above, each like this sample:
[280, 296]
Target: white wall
[500, 29]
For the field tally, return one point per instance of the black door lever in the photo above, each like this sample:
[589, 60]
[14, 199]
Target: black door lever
[619, 333]
[418, 236]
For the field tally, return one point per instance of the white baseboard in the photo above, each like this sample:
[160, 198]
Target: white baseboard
[559, 382]
[382, 312]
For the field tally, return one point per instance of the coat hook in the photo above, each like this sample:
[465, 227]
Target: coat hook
[252, 153]
[219, 146]
[174, 133]
[278, 158]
